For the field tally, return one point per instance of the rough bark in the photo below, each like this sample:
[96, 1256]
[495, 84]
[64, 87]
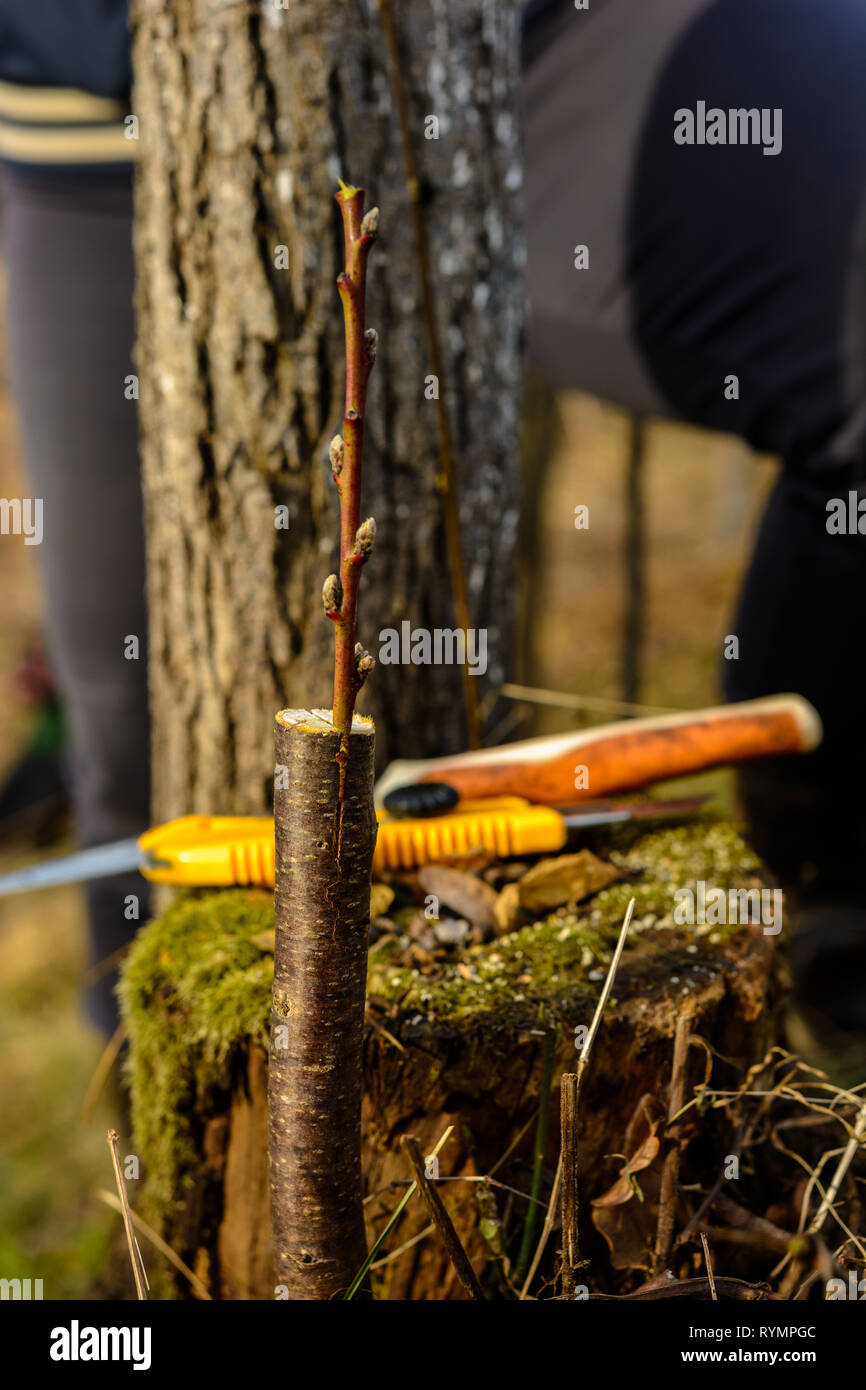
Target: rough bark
[248, 114]
[322, 910]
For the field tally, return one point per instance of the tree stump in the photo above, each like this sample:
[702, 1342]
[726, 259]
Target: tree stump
[462, 1049]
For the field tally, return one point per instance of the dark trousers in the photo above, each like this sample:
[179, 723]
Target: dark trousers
[707, 262]
[69, 323]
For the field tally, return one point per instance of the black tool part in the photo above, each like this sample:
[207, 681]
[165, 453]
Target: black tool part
[421, 799]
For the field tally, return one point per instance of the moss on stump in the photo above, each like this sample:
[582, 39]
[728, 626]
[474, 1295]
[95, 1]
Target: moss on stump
[463, 1048]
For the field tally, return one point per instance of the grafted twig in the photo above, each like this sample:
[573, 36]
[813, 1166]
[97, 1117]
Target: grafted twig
[352, 664]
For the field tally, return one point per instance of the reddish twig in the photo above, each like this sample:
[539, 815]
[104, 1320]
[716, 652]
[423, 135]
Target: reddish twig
[340, 594]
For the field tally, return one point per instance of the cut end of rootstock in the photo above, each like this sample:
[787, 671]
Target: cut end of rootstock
[321, 721]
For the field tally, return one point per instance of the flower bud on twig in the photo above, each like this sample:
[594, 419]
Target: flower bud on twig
[370, 223]
[371, 341]
[364, 537]
[364, 664]
[356, 535]
[332, 596]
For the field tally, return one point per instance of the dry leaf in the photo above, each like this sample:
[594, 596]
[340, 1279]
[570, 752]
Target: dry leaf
[629, 1229]
[567, 879]
[625, 1219]
[506, 909]
[623, 1188]
[465, 894]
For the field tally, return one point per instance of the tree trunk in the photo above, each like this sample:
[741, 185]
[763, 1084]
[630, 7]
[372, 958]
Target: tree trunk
[247, 117]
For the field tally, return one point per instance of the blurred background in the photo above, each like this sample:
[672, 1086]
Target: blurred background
[51, 1156]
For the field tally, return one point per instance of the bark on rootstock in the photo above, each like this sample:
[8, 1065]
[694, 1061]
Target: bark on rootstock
[315, 1079]
[248, 113]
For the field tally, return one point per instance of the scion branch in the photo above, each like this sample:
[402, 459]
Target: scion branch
[352, 664]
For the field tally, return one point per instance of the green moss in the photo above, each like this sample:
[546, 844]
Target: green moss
[197, 982]
[550, 962]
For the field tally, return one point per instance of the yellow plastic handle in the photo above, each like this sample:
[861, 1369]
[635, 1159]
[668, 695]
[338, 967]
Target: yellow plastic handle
[222, 851]
[503, 826]
[212, 851]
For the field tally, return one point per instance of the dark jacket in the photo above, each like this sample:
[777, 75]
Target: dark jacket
[66, 43]
[65, 76]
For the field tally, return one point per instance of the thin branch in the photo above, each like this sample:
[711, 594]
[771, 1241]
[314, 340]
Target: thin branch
[441, 1220]
[541, 1131]
[389, 1225]
[854, 1143]
[569, 1152]
[156, 1240]
[137, 1262]
[671, 1169]
[582, 1064]
[561, 699]
[583, 1060]
[103, 1070]
[709, 1264]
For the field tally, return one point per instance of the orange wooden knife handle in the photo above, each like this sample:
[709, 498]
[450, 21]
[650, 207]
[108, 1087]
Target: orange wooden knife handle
[629, 755]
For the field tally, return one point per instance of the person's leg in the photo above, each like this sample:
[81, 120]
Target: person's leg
[68, 254]
[800, 612]
[727, 286]
[800, 615]
[748, 289]
[734, 280]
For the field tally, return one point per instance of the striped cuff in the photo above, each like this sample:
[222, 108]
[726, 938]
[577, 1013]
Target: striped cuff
[60, 125]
